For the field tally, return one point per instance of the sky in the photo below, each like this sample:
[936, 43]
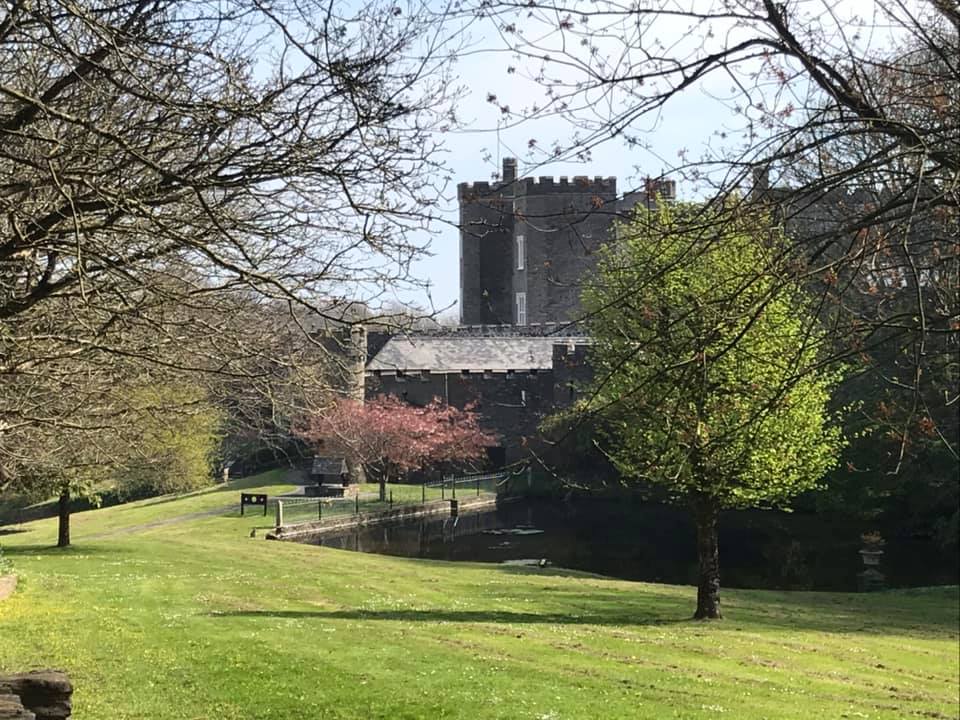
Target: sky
[690, 124]
[475, 152]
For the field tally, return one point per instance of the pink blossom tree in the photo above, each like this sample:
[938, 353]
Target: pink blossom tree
[390, 437]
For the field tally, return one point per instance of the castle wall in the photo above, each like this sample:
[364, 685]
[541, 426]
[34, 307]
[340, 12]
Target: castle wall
[510, 406]
[486, 237]
[571, 373]
[564, 222]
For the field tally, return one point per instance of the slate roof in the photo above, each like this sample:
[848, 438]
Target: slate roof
[328, 466]
[453, 354]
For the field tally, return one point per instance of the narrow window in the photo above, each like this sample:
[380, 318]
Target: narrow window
[521, 252]
[521, 308]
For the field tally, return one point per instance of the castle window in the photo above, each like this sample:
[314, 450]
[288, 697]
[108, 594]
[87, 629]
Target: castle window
[521, 252]
[521, 308]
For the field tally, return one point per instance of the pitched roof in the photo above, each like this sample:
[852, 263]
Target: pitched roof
[456, 353]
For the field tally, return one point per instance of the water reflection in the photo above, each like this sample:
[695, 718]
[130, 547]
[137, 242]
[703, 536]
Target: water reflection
[656, 544]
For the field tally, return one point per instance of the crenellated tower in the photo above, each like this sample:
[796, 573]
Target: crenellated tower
[526, 244]
[486, 235]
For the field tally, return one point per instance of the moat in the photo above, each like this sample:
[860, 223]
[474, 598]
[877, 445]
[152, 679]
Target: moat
[654, 543]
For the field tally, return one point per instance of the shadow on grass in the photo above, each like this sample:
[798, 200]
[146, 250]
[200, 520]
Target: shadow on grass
[506, 617]
[553, 571]
[929, 613]
[78, 550]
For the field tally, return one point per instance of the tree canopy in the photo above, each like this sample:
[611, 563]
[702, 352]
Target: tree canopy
[189, 189]
[707, 375]
[389, 436]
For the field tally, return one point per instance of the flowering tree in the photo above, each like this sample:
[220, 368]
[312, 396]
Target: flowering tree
[389, 436]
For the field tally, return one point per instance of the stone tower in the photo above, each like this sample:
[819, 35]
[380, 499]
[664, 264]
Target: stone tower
[486, 235]
[558, 227]
[526, 244]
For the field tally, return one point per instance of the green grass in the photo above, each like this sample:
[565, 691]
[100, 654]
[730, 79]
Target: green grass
[195, 619]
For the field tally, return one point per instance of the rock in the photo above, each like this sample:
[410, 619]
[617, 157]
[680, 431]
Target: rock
[12, 709]
[45, 693]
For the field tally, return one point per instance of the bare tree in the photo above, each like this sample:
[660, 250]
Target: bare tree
[176, 176]
[846, 123]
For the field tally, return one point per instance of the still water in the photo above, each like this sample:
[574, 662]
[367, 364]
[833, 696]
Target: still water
[657, 544]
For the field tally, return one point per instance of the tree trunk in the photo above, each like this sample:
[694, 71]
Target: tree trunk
[63, 525]
[383, 486]
[708, 549]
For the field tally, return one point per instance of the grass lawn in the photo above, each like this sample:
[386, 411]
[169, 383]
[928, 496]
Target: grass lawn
[162, 612]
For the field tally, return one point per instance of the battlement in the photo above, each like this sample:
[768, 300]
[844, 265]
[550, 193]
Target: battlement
[477, 190]
[543, 185]
[559, 330]
[547, 185]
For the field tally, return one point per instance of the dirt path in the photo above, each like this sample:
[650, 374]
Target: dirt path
[133, 529]
[8, 583]
[292, 477]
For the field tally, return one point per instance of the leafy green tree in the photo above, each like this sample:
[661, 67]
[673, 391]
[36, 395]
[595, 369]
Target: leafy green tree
[160, 438]
[706, 369]
[180, 436]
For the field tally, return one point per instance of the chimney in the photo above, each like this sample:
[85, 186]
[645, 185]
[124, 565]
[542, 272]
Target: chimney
[509, 170]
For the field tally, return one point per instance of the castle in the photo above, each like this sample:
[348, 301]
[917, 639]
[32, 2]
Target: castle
[525, 245]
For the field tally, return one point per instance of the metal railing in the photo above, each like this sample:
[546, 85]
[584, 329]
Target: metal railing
[476, 484]
[298, 510]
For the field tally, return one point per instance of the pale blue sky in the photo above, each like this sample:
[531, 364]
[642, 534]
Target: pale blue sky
[691, 122]
[475, 154]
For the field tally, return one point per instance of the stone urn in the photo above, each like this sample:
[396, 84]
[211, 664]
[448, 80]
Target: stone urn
[872, 552]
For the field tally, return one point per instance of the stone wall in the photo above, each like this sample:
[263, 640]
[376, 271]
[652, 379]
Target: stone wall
[37, 695]
[563, 221]
[486, 236]
[510, 404]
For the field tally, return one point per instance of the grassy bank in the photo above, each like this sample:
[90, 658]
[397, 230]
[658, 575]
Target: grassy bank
[160, 611]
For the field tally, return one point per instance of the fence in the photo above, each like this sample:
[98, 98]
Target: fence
[296, 510]
[485, 483]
